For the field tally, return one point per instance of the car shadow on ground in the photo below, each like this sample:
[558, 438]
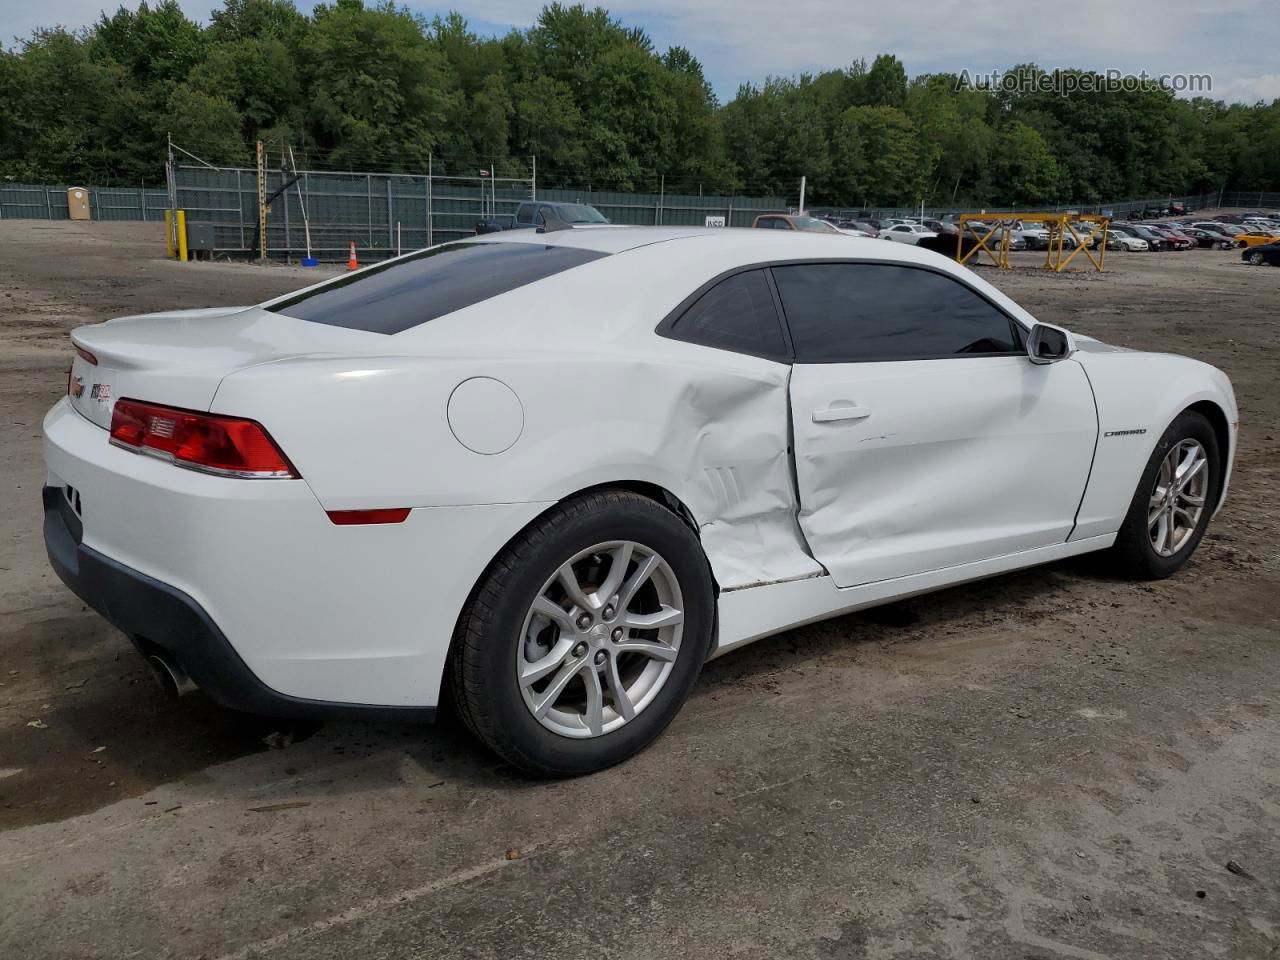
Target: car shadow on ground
[117, 735]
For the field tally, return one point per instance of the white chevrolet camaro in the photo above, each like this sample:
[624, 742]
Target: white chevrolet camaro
[553, 473]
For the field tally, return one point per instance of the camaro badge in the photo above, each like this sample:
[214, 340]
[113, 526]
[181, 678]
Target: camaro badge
[77, 387]
[1124, 433]
[100, 392]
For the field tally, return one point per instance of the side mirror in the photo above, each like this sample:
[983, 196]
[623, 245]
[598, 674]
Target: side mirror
[1049, 344]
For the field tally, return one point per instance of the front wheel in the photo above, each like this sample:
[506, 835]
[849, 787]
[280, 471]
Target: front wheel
[1173, 502]
[585, 636]
[1257, 259]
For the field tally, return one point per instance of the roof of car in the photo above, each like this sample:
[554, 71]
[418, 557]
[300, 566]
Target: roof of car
[762, 244]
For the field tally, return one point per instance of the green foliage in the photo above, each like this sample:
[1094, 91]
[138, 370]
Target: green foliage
[365, 84]
[880, 158]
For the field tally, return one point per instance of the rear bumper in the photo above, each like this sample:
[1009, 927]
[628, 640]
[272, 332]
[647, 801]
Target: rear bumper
[317, 614]
[161, 619]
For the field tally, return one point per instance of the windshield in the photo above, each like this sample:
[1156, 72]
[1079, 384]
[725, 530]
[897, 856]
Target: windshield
[813, 224]
[579, 213]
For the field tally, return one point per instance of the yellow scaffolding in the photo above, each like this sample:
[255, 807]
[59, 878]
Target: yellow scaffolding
[1058, 225]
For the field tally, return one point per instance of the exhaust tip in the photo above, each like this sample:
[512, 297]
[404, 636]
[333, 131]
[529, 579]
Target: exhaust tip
[171, 677]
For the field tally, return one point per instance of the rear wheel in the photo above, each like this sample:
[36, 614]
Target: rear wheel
[1257, 259]
[585, 636]
[1173, 502]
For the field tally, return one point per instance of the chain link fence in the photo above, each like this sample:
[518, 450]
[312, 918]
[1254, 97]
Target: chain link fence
[320, 213]
[21, 201]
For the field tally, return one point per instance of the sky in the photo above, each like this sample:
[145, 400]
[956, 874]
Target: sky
[1235, 42]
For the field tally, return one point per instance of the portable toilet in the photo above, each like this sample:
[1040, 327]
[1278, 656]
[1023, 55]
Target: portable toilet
[78, 203]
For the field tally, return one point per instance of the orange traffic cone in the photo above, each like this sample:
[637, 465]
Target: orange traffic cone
[352, 262]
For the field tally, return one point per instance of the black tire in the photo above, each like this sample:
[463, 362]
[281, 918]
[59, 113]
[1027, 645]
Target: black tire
[1133, 555]
[482, 672]
[1256, 259]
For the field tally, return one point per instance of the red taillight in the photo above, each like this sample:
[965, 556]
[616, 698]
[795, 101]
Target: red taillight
[227, 446]
[346, 518]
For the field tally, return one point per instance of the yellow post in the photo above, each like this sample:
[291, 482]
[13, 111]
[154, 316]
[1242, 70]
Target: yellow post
[182, 235]
[168, 233]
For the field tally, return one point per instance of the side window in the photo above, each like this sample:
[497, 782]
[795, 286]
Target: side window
[854, 312]
[736, 314]
[524, 213]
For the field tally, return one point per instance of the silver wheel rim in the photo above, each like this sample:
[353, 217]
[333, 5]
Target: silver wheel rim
[1177, 499]
[600, 640]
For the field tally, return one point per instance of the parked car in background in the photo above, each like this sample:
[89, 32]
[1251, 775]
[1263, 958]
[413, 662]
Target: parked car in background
[1210, 238]
[1268, 254]
[866, 226]
[907, 233]
[792, 221]
[1119, 240]
[940, 226]
[1154, 240]
[535, 213]
[1176, 240]
[1259, 238]
[1128, 230]
[1033, 232]
[1231, 230]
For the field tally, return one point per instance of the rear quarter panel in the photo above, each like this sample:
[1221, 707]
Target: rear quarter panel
[708, 426]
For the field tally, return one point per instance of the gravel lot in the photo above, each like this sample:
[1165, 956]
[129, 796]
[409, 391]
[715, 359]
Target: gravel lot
[1049, 765]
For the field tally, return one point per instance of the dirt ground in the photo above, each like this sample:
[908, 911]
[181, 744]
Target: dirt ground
[1049, 765]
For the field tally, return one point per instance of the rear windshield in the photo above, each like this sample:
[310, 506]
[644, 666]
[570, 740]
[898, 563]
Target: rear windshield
[404, 293]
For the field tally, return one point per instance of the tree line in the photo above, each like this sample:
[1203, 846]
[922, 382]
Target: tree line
[369, 86]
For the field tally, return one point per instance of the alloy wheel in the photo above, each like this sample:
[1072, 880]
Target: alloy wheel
[1178, 497]
[600, 639]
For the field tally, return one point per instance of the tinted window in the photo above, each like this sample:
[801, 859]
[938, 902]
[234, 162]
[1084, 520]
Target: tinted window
[850, 312]
[772, 223]
[579, 213]
[524, 213]
[404, 293]
[736, 314]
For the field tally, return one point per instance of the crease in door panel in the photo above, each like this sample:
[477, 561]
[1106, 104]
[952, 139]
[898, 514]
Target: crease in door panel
[795, 476]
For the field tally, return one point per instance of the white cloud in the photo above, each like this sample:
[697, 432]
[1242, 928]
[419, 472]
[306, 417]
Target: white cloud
[1252, 89]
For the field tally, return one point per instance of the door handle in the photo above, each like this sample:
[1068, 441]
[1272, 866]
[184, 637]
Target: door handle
[841, 412]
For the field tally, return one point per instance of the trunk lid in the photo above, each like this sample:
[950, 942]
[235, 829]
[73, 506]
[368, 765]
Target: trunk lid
[179, 358]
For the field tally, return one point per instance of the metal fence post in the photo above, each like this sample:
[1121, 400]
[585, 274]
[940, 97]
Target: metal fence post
[390, 237]
[240, 207]
[430, 200]
[288, 233]
[368, 184]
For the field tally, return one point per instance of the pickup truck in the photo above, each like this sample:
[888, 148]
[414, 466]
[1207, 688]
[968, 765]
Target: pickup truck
[533, 214]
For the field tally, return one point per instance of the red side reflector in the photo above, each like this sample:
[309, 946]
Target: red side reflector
[346, 518]
[226, 446]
